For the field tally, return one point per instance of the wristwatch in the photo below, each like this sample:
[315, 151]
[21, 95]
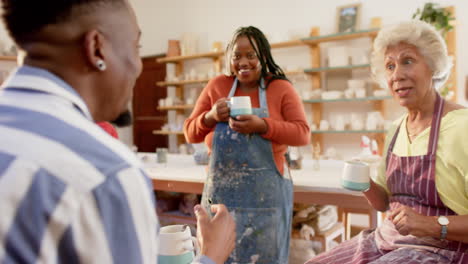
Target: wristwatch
[443, 222]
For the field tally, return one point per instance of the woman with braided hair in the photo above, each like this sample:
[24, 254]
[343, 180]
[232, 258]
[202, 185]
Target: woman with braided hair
[247, 170]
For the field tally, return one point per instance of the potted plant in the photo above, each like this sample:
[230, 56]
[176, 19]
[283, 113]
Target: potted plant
[440, 18]
[437, 16]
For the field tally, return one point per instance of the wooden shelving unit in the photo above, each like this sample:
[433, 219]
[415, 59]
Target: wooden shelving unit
[315, 73]
[317, 39]
[162, 132]
[339, 68]
[378, 131]
[206, 55]
[356, 99]
[175, 107]
[287, 44]
[178, 83]
[316, 105]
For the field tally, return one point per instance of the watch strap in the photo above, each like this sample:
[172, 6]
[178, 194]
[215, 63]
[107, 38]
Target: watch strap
[443, 232]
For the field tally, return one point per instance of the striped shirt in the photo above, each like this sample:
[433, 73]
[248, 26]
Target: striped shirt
[69, 192]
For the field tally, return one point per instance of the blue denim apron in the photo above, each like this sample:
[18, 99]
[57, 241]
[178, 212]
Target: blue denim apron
[243, 175]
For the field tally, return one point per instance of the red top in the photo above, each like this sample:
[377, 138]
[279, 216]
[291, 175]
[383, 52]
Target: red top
[287, 123]
[109, 129]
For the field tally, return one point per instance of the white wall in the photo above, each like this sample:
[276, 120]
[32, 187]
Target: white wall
[215, 20]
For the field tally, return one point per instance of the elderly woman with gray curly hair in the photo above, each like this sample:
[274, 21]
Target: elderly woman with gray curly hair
[423, 181]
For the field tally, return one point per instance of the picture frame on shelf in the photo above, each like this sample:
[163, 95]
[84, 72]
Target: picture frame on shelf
[348, 18]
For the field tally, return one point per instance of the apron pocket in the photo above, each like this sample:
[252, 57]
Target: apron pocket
[257, 238]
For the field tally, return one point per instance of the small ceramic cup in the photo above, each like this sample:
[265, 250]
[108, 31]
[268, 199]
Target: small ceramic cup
[177, 245]
[161, 154]
[240, 105]
[356, 176]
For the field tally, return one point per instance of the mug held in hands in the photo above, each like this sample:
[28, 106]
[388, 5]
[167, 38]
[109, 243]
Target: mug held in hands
[240, 105]
[356, 176]
[177, 245]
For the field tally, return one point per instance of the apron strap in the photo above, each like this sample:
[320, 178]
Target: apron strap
[261, 93]
[435, 126]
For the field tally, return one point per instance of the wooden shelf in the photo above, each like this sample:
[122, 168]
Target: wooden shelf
[161, 132]
[294, 72]
[341, 36]
[369, 98]
[278, 45]
[177, 83]
[207, 55]
[7, 58]
[348, 131]
[339, 68]
[175, 107]
[287, 44]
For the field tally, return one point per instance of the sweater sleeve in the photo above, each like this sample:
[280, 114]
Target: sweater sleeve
[293, 130]
[195, 129]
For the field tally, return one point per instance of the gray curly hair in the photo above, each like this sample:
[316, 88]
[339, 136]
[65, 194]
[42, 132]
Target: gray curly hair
[426, 39]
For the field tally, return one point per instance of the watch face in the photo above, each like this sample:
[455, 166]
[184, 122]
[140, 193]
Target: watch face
[443, 220]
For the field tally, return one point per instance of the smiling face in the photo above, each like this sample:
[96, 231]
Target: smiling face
[408, 75]
[245, 63]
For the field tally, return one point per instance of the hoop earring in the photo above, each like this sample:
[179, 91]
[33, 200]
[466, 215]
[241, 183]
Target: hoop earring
[101, 65]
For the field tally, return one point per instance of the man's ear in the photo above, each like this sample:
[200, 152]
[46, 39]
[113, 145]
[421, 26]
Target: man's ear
[94, 49]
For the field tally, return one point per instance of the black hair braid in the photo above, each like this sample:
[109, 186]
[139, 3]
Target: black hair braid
[270, 70]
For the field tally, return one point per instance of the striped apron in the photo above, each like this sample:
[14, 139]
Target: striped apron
[411, 181]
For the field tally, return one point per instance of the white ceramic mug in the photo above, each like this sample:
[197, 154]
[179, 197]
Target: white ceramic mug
[356, 176]
[240, 105]
[177, 245]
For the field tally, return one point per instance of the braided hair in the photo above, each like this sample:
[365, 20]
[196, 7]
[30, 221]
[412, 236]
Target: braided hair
[270, 70]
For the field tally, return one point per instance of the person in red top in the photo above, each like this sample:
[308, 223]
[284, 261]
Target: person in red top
[106, 126]
[247, 170]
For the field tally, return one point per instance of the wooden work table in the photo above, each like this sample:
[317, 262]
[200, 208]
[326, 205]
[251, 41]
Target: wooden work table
[323, 186]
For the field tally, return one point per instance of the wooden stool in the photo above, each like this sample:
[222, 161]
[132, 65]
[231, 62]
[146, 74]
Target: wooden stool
[375, 218]
[337, 231]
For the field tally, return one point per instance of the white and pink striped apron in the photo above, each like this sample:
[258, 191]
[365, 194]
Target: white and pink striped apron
[411, 181]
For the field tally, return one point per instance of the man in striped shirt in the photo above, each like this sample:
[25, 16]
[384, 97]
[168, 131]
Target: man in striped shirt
[70, 193]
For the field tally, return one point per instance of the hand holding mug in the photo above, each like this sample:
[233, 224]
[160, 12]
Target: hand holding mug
[219, 113]
[248, 124]
[216, 235]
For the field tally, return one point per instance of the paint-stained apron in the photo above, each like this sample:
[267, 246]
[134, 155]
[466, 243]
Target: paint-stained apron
[242, 174]
[411, 180]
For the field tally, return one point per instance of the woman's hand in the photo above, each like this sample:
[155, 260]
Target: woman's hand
[248, 124]
[409, 222]
[219, 113]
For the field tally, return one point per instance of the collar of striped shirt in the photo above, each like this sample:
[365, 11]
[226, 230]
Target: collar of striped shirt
[37, 79]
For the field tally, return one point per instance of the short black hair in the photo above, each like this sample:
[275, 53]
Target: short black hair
[22, 18]
[270, 70]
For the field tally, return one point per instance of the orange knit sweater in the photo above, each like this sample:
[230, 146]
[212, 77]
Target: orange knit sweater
[287, 123]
